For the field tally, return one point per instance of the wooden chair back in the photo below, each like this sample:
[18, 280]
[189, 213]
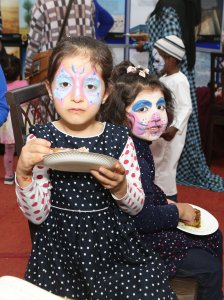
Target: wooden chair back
[29, 105]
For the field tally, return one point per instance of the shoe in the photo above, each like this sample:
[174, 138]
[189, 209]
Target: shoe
[9, 180]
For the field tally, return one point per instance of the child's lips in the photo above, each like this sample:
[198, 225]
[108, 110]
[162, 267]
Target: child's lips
[154, 129]
[76, 110]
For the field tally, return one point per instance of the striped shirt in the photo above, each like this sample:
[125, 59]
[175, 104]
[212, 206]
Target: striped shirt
[47, 19]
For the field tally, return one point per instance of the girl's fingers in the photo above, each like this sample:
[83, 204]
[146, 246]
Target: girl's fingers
[107, 181]
[119, 169]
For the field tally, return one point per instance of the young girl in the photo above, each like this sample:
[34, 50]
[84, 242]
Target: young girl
[141, 102]
[12, 68]
[85, 247]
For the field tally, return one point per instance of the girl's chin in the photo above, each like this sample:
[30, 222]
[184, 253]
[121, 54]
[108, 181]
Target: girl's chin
[149, 138]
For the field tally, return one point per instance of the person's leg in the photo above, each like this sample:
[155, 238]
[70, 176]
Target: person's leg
[8, 163]
[173, 197]
[207, 269]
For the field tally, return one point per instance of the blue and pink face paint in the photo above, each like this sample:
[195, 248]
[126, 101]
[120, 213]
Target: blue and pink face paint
[158, 61]
[77, 84]
[148, 118]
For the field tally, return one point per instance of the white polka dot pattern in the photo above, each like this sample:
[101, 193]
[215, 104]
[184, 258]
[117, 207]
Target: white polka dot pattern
[88, 248]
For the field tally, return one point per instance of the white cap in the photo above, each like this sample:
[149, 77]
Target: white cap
[172, 45]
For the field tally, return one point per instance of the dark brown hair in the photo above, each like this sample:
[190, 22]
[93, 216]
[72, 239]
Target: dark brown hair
[97, 51]
[125, 88]
[11, 67]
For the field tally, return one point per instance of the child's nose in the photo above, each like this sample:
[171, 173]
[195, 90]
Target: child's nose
[156, 117]
[77, 94]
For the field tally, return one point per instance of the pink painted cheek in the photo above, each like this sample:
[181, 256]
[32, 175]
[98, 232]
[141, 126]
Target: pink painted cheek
[137, 128]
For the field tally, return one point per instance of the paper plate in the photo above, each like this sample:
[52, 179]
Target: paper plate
[19, 289]
[71, 161]
[209, 224]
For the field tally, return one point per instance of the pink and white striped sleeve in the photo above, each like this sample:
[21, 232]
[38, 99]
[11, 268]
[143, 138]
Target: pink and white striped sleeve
[133, 201]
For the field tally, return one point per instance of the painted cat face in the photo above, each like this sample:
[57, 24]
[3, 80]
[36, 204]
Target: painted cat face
[147, 115]
[158, 61]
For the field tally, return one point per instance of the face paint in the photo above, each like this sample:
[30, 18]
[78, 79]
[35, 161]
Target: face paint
[158, 61]
[92, 88]
[78, 84]
[148, 117]
[63, 85]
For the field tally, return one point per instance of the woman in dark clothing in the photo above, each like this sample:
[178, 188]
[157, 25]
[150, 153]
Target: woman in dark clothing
[184, 254]
[180, 18]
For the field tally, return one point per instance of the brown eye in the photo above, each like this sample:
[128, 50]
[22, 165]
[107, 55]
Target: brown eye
[91, 87]
[161, 107]
[65, 84]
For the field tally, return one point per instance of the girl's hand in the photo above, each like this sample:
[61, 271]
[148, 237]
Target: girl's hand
[114, 180]
[32, 153]
[140, 46]
[186, 212]
[170, 201]
[170, 133]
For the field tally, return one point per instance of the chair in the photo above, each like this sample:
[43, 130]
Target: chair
[29, 105]
[185, 288]
[217, 101]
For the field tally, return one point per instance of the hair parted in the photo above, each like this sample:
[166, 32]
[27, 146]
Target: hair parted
[125, 88]
[97, 52]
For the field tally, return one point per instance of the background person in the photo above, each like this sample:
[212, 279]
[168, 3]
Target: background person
[12, 69]
[103, 21]
[167, 150]
[4, 108]
[180, 18]
[46, 21]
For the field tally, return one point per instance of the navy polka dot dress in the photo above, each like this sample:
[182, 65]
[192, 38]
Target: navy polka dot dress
[88, 248]
[157, 221]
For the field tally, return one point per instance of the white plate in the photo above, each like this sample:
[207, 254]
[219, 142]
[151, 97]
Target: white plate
[15, 288]
[72, 161]
[209, 224]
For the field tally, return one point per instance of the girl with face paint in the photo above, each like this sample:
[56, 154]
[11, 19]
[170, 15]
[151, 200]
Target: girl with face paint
[86, 246]
[144, 104]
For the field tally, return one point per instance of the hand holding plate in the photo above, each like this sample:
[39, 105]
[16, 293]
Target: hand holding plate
[112, 179]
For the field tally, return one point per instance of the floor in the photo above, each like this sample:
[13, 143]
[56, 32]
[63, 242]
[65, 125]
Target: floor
[14, 232]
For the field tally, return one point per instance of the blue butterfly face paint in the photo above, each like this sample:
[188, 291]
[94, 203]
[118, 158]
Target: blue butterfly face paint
[148, 115]
[78, 84]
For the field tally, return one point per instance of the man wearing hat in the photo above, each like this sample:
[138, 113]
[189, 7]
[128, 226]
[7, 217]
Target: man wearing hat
[167, 150]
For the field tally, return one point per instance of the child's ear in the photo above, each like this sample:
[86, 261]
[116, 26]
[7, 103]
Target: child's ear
[47, 84]
[105, 97]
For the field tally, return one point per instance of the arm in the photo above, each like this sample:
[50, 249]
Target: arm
[183, 105]
[32, 181]
[103, 21]
[34, 199]
[4, 108]
[133, 201]
[124, 180]
[153, 218]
